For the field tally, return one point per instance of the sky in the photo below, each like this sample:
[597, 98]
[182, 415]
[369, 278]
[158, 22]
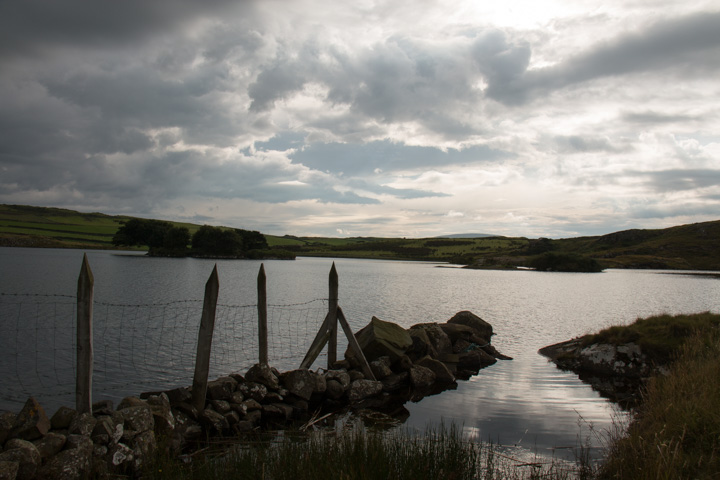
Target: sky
[366, 118]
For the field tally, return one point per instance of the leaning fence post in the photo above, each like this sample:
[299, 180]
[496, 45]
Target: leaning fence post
[207, 324]
[83, 379]
[262, 315]
[332, 310]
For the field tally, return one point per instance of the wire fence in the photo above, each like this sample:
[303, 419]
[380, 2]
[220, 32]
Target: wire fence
[141, 347]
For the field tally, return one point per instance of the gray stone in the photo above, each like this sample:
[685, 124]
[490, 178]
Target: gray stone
[232, 417]
[403, 364]
[395, 381]
[251, 405]
[138, 419]
[178, 395]
[421, 344]
[356, 375]
[237, 398]
[103, 407]
[277, 411]
[23, 452]
[9, 470]
[340, 376]
[263, 374]
[7, 422]
[441, 371]
[465, 317]
[163, 418]
[361, 389]
[31, 422]
[243, 426]
[273, 397]
[83, 424]
[222, 388]
[381, 367]
[214, 421]
[475, 360]
[81, 442]
[458, 331]
[334, 390]
[421, 377]
[379, 338]
[143, 446]
[50, 444]
[71, 464]
[221, 406]
[130, 402]
[254, 417]
[120, 455]
[256, 391]
[63, 418]
[438, 338]
[320, 384]
[301, 382]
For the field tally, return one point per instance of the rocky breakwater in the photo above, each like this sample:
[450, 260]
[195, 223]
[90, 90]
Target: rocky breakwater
[407, 364]
[616, 371]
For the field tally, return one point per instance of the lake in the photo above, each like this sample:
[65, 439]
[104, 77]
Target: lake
[147, 310]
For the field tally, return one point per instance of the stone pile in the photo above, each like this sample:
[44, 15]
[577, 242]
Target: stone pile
[407, 364]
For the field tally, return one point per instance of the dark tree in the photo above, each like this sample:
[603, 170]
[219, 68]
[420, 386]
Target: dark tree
[252, 240]
[176, 239]
[215, 241]
[138, 231]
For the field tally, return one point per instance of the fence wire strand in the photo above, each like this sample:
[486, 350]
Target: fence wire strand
[137, 347]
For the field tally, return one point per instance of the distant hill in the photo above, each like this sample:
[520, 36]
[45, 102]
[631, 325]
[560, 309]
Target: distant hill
[692, 247]
[468, 235]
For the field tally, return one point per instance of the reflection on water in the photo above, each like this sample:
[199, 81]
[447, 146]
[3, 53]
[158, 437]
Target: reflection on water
[525, 402]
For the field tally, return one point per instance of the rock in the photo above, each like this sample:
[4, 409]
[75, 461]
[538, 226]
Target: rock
[379, 338]
[50, 444]
[243, 426]
[81, 442]
[254, 417]
[301, 382]
[222, 388]
[396, 381]
[179, 395]
[104, 430]
[438, 338]
[403, 364]
[355, 375]
[31, 423]
[460, 346]
[263, 374]
[7, 422]
[360, 389]
[83, 424]
[214, 421]
[121, 456]
[421, 344]
[130, 402]
[277, 411]
[421, 377]
[103, 407]
[251, 405]
[340, 376]
[334, 389]
[143, 447]
[475, 360]
[441, 371]
[483, 328]
[256, 391]
[9, 470]
[457, 331]
[320, 385]
[163, 418]
[71, 464]
[25, 454]
[273, 397]
[221, 406]
[381, 367]
[489, 349]
[232, 417]
[236, 398]
[63, 418]
[137, 419]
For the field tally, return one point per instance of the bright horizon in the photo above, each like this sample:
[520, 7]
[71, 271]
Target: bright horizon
[384, 119]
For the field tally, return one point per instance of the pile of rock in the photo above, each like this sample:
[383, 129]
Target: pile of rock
[407, 364]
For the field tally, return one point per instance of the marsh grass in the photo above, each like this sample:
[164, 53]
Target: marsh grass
[361, 454]
[675, 433]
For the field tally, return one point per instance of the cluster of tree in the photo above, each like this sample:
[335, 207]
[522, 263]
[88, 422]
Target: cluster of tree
[564, 262]
[165, 239]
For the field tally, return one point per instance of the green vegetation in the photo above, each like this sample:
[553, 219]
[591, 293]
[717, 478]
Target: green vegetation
[564, 262]
[660, 337]
[675, 432]
[360, 454]
[694, 247]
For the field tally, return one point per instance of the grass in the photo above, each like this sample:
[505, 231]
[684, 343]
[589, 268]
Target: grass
[675, 433]
[361, 454]
[660, 337]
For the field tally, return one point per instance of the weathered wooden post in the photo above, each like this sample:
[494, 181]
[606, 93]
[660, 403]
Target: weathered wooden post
[262, 315]
[332, 311]
[207, 324]
[83, 379]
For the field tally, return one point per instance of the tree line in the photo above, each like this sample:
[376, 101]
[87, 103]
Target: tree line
[165, 239]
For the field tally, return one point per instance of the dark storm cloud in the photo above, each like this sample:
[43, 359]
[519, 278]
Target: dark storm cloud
[688, 45]
[650, 117]
[351, 159]
[679, 180]
[585, 144]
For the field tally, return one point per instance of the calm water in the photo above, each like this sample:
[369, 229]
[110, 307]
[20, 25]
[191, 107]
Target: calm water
[525, 402]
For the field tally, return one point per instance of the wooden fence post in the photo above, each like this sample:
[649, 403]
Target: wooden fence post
[207, 324]
[262, 315]
[332, 310]
[84, 359]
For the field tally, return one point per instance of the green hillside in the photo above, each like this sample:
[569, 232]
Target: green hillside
[694, 247]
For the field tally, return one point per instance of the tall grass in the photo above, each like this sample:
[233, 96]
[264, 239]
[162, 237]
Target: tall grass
[675, 433]
[361, 454]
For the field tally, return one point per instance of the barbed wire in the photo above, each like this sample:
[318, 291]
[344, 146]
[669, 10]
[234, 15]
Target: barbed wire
[137, 347]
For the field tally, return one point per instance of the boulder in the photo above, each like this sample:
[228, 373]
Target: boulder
[163, 418]
[421, 377]
[31, 423]
[465, 317]
[103, 407]
[441, 371]
[63, 418]
[396, 381]
[301, 382]
[179, 395]
[334, 389]
[421, 344]
[263, 374]
[7, 422]
[214, 421]
[255, 391]
[137, 419]
[320, 385]
[379, 338]
[83, 424]
[277, 411]
[130, 402]
[381, 367]
[340, 376]
[361, 389]
[50, 444]
[475, 360]
[403, 364]
[143, 447]
[81, 442]
[121, 456]
[9, 470]
[221, 388]
[25, 454]
[221, 406]
[438, 338]
[457, 331]
[71, 464]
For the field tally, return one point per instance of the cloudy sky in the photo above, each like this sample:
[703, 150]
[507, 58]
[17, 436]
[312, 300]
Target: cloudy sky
[386, 118]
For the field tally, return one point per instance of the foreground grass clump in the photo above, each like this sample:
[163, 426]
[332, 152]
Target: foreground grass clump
[359, 454]
[675, 433]
[660, 337]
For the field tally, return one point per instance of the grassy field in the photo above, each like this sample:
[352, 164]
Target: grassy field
[694, 247]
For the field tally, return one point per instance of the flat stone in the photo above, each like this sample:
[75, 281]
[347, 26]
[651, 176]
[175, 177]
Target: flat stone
[380, 338]
[32, 422]
[361, 389]
[25, 454]
[468, 318]
[263, 374]
[300, 382]
[222, 388]
[50, 444]
[441, 371]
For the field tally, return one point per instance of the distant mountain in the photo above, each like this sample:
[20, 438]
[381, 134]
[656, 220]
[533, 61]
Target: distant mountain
[468, 235]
